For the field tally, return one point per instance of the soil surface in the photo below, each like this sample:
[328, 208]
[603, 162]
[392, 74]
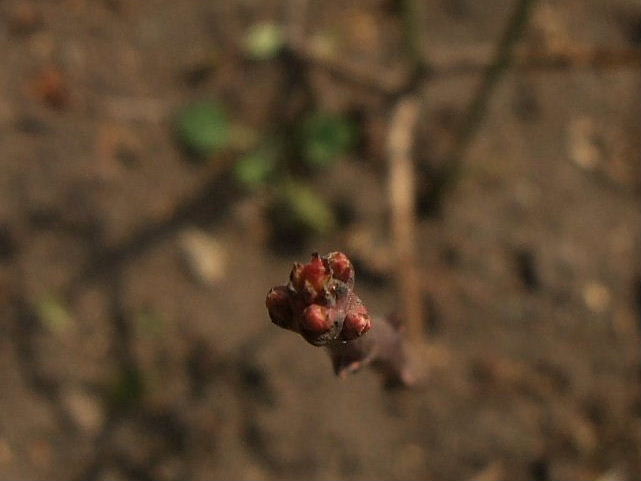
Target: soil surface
[134, 340]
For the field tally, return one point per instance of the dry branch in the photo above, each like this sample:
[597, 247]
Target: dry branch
[402, 196]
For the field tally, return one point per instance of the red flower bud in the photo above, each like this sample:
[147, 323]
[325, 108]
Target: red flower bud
[279, 307]
[295, 275]
[316, 319]
[320, 304]
[341, 267]
[319, 301]
[315, 273]
[355, 325]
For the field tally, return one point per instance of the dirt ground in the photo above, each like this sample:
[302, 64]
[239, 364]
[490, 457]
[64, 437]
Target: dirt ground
[134, 341]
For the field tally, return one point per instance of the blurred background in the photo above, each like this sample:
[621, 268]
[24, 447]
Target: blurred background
[162, 164]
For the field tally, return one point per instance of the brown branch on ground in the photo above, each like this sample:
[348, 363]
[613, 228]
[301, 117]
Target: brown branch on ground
[503, 60]
[387, 81]
[320, 304]
[402, 197]
[392, 81]
[531, 60]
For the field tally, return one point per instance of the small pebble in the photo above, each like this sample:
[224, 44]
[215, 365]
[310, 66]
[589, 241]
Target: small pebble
[596, 297]
[204, 256]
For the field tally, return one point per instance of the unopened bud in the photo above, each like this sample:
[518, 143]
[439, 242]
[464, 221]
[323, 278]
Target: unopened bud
[355, 325]
[279, 307]
[316, 319]
[319, 302]
[295, 275]
[315, 273]
[341, 267]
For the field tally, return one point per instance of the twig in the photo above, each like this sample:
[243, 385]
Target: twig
[402, 195]
[382, 80]
[454, 64]
[388, 82]
[477, 109]
[296, 19]
[413, 16]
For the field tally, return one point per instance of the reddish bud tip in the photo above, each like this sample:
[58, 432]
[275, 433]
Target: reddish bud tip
[356, 324]
[279, 307]
[295, 275]
[341, 266]
[313, 273]
[316, 319]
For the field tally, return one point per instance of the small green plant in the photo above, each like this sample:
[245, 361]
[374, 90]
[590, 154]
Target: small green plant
[325, 137]
[264, 41]
[297, 214]
[150, 322]
[258, 167]
[299, 205]
[53, 313]
[127, 388]
[278, 164]
[204, 128]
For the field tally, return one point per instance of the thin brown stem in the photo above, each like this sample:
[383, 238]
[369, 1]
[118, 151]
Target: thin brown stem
[402, 195]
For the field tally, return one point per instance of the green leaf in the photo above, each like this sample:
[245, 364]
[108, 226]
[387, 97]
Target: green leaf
[326, 137]
[264, 41]
[127, 389]
[150, 322]
[204, 128]
[256, 168]
[306, 209]
[53, 313]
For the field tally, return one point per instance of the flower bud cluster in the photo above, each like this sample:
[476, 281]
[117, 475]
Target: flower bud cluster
[319, 301]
